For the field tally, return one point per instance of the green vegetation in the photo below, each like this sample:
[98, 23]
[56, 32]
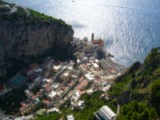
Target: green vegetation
[138, 91]
[52, 116]
[155, 95]
[11, 103]
[92, 104]
[29, 15]
[137, 111]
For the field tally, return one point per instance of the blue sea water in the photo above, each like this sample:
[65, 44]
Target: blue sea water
[130, 28]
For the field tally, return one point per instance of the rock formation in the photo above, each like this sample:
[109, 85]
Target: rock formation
[29, 33]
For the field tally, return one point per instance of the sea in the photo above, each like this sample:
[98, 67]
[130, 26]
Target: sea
[130, 28]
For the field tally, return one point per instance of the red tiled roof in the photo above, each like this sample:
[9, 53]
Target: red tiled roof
[23, 107]
[33, 97]
[71, 83]
[82, 84]
[45, 101]
[38, 93]
[99, 42]
[47, 87]
[34, 65]
[63, 87]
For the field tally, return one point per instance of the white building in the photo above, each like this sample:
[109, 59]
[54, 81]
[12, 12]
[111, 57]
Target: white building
[96, 66]
[70, 117]
[105, 113]
[56, 68]
[52, 94]
[89, 77]
[90, 91]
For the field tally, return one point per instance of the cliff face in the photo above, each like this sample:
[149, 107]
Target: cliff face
[32, 38]
[25, 34]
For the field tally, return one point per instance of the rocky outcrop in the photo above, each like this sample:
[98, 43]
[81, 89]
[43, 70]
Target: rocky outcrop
[26, 37]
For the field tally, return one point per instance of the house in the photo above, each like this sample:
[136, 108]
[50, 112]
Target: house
[47, 73]
[47, 80]
[39, 94]
[26, 107]
[82, 84]
[34, 66]
[76, 95]
[52, 94]
[90, 91]
[57, 68]
[105, 113]
[28, 93]
[65, 77]
[70, 117]
[47, 103]
[38, 70]
[36, 82]
[96, 66]
[53, 110]
[98, 42]
[78, 104]
[55, 86]
[106, 88]
[47, 87]
[89, 77]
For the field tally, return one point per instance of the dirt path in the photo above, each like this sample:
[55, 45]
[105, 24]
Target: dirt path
[118, 111]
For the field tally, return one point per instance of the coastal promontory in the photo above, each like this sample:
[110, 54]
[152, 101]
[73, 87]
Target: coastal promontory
[26, 35]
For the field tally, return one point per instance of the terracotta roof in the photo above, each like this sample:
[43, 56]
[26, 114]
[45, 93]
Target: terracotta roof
[45, 101]
[34, 65]
[63, 87]
[98, 42]
[33, 97]
[38, 93]
[82, 84]
[71, 83]
[23, 107]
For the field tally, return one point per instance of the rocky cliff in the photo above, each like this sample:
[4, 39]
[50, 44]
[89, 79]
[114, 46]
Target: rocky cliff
[138, 90]
[24, 32]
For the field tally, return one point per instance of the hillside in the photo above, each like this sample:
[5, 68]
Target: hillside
[26, 36]
[138, 91]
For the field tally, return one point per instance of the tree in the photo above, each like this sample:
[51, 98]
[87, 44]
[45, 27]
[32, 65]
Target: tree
[155, 95]
[133, 84]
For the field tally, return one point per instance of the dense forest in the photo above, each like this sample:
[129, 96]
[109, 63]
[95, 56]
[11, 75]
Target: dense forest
[138, 90]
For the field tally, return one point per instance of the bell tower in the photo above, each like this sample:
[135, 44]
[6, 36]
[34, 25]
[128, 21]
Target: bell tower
[92, 37]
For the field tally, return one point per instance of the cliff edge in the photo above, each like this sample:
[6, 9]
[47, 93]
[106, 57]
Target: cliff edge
[25, 33]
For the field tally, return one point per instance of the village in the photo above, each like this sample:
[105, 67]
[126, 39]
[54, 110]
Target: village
[52, 83]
